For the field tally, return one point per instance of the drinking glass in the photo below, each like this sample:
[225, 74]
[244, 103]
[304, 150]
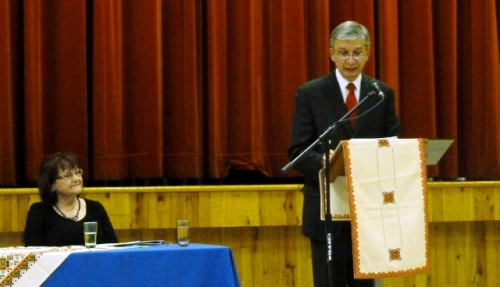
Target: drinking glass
[90, 234]
[183, 232]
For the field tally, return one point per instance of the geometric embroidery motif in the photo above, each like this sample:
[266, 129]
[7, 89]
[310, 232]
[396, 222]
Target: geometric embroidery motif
[13, 266]
[16, 262]
[7, 281]
[16, 272]
[383, 143]
[388, 197]
[4, 263]
[25, 264]
[395, 254]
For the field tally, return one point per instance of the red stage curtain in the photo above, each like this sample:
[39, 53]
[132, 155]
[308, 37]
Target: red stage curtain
[192, 89]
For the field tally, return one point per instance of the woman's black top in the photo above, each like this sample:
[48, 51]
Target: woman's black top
[44, 227]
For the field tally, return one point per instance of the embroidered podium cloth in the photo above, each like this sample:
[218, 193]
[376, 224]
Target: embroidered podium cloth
[386, 192]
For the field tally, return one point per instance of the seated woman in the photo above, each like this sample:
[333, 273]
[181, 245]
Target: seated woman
[58, 219]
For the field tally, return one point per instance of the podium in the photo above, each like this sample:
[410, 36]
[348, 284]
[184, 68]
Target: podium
[380, 185]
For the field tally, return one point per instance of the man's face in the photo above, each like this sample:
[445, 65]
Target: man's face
[350, 57]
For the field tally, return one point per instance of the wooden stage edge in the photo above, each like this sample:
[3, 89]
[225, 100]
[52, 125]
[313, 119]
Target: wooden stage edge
[262, 226]
[218, 188]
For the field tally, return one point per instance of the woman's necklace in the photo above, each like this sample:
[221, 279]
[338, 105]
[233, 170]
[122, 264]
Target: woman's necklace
[74, 218]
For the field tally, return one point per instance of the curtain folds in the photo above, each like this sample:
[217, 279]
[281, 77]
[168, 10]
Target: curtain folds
[184, 114]
[54, 81]
[9, 86]
[193, 89]
[127, 81]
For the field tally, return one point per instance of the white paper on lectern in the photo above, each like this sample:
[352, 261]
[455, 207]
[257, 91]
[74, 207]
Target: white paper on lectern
[339, 200]
[436, 149]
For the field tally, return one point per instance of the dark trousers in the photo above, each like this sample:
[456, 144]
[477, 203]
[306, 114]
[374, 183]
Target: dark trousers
[341, 264]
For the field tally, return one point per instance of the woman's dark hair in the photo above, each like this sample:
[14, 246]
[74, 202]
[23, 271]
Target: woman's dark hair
[49, 170]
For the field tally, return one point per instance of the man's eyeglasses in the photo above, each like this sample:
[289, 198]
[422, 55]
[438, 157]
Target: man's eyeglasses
[77, 172]
[355, 55]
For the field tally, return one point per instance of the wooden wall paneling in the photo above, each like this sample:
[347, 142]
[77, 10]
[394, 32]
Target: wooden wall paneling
[216, 209]
[470, 252]
[478, 275]
[453, 256]
[496, 203]
[491, 268]
[293, 208]
[420, 280]
[6, 213]
[205, 211]
[231, 209]
[458, 204]
[191, 201]
[483, 203]
[493, 252]
[261, 224]
[304, 267]
[250, 208]
[438, 247]
[11, 239]
[434, 202]
[119, 210]
[290, 258]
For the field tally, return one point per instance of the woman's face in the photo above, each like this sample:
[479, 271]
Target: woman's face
[68, 182]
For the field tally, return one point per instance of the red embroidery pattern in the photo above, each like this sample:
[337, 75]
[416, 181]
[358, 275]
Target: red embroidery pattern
[395, 254]
[7, 281]
[15, 264]
[4, 264]
[388, 197]
[383, 143]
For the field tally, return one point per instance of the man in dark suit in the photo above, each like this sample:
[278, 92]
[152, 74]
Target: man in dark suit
[318, 104]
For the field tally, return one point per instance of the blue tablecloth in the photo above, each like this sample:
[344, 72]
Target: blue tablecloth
[165, 265]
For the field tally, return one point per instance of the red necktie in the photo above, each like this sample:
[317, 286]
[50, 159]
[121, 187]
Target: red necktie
[350, 102]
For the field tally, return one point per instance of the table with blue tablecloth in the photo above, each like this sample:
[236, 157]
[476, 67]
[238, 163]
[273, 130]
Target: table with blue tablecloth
[139, 265]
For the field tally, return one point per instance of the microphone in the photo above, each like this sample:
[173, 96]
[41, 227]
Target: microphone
[376, 87]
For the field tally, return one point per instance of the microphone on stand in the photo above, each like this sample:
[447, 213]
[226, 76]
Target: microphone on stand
[376, 87]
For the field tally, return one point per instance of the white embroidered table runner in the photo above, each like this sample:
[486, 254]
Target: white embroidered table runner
[386, 191]
[29, 266]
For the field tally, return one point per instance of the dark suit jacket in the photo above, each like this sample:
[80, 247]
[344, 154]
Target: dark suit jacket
[318, 104]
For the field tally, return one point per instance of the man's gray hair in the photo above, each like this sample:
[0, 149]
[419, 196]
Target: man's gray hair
[350, 30]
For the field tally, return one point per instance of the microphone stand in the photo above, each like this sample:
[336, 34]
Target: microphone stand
[326, 154]
[321, 138]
